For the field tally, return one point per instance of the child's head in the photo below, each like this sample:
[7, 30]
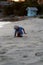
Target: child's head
[16, 27]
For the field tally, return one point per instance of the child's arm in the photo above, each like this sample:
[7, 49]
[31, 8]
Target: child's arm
[15, 34]
[24, 31]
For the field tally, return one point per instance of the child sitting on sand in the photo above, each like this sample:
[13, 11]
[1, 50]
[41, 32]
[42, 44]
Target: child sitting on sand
[19, 31]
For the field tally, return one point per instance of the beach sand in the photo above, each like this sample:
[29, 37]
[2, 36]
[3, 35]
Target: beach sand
[27, 50]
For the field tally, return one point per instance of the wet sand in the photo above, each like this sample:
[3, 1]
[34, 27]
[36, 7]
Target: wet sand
[27, 50]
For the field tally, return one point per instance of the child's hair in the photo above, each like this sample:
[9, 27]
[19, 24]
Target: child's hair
[16, 26]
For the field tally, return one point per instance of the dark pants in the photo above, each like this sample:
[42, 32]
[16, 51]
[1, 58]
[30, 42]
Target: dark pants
[19, 35]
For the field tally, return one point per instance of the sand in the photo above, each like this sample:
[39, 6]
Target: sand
[27, 50]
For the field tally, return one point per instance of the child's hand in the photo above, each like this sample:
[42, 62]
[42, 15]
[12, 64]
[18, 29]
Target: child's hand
[25, 33]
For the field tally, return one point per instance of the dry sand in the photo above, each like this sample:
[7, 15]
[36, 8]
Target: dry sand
[27, 50]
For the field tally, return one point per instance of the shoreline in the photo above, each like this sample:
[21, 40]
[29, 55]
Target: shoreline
[3, 23]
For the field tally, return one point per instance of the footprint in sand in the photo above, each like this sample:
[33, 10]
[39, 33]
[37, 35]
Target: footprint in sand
[39, 54]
